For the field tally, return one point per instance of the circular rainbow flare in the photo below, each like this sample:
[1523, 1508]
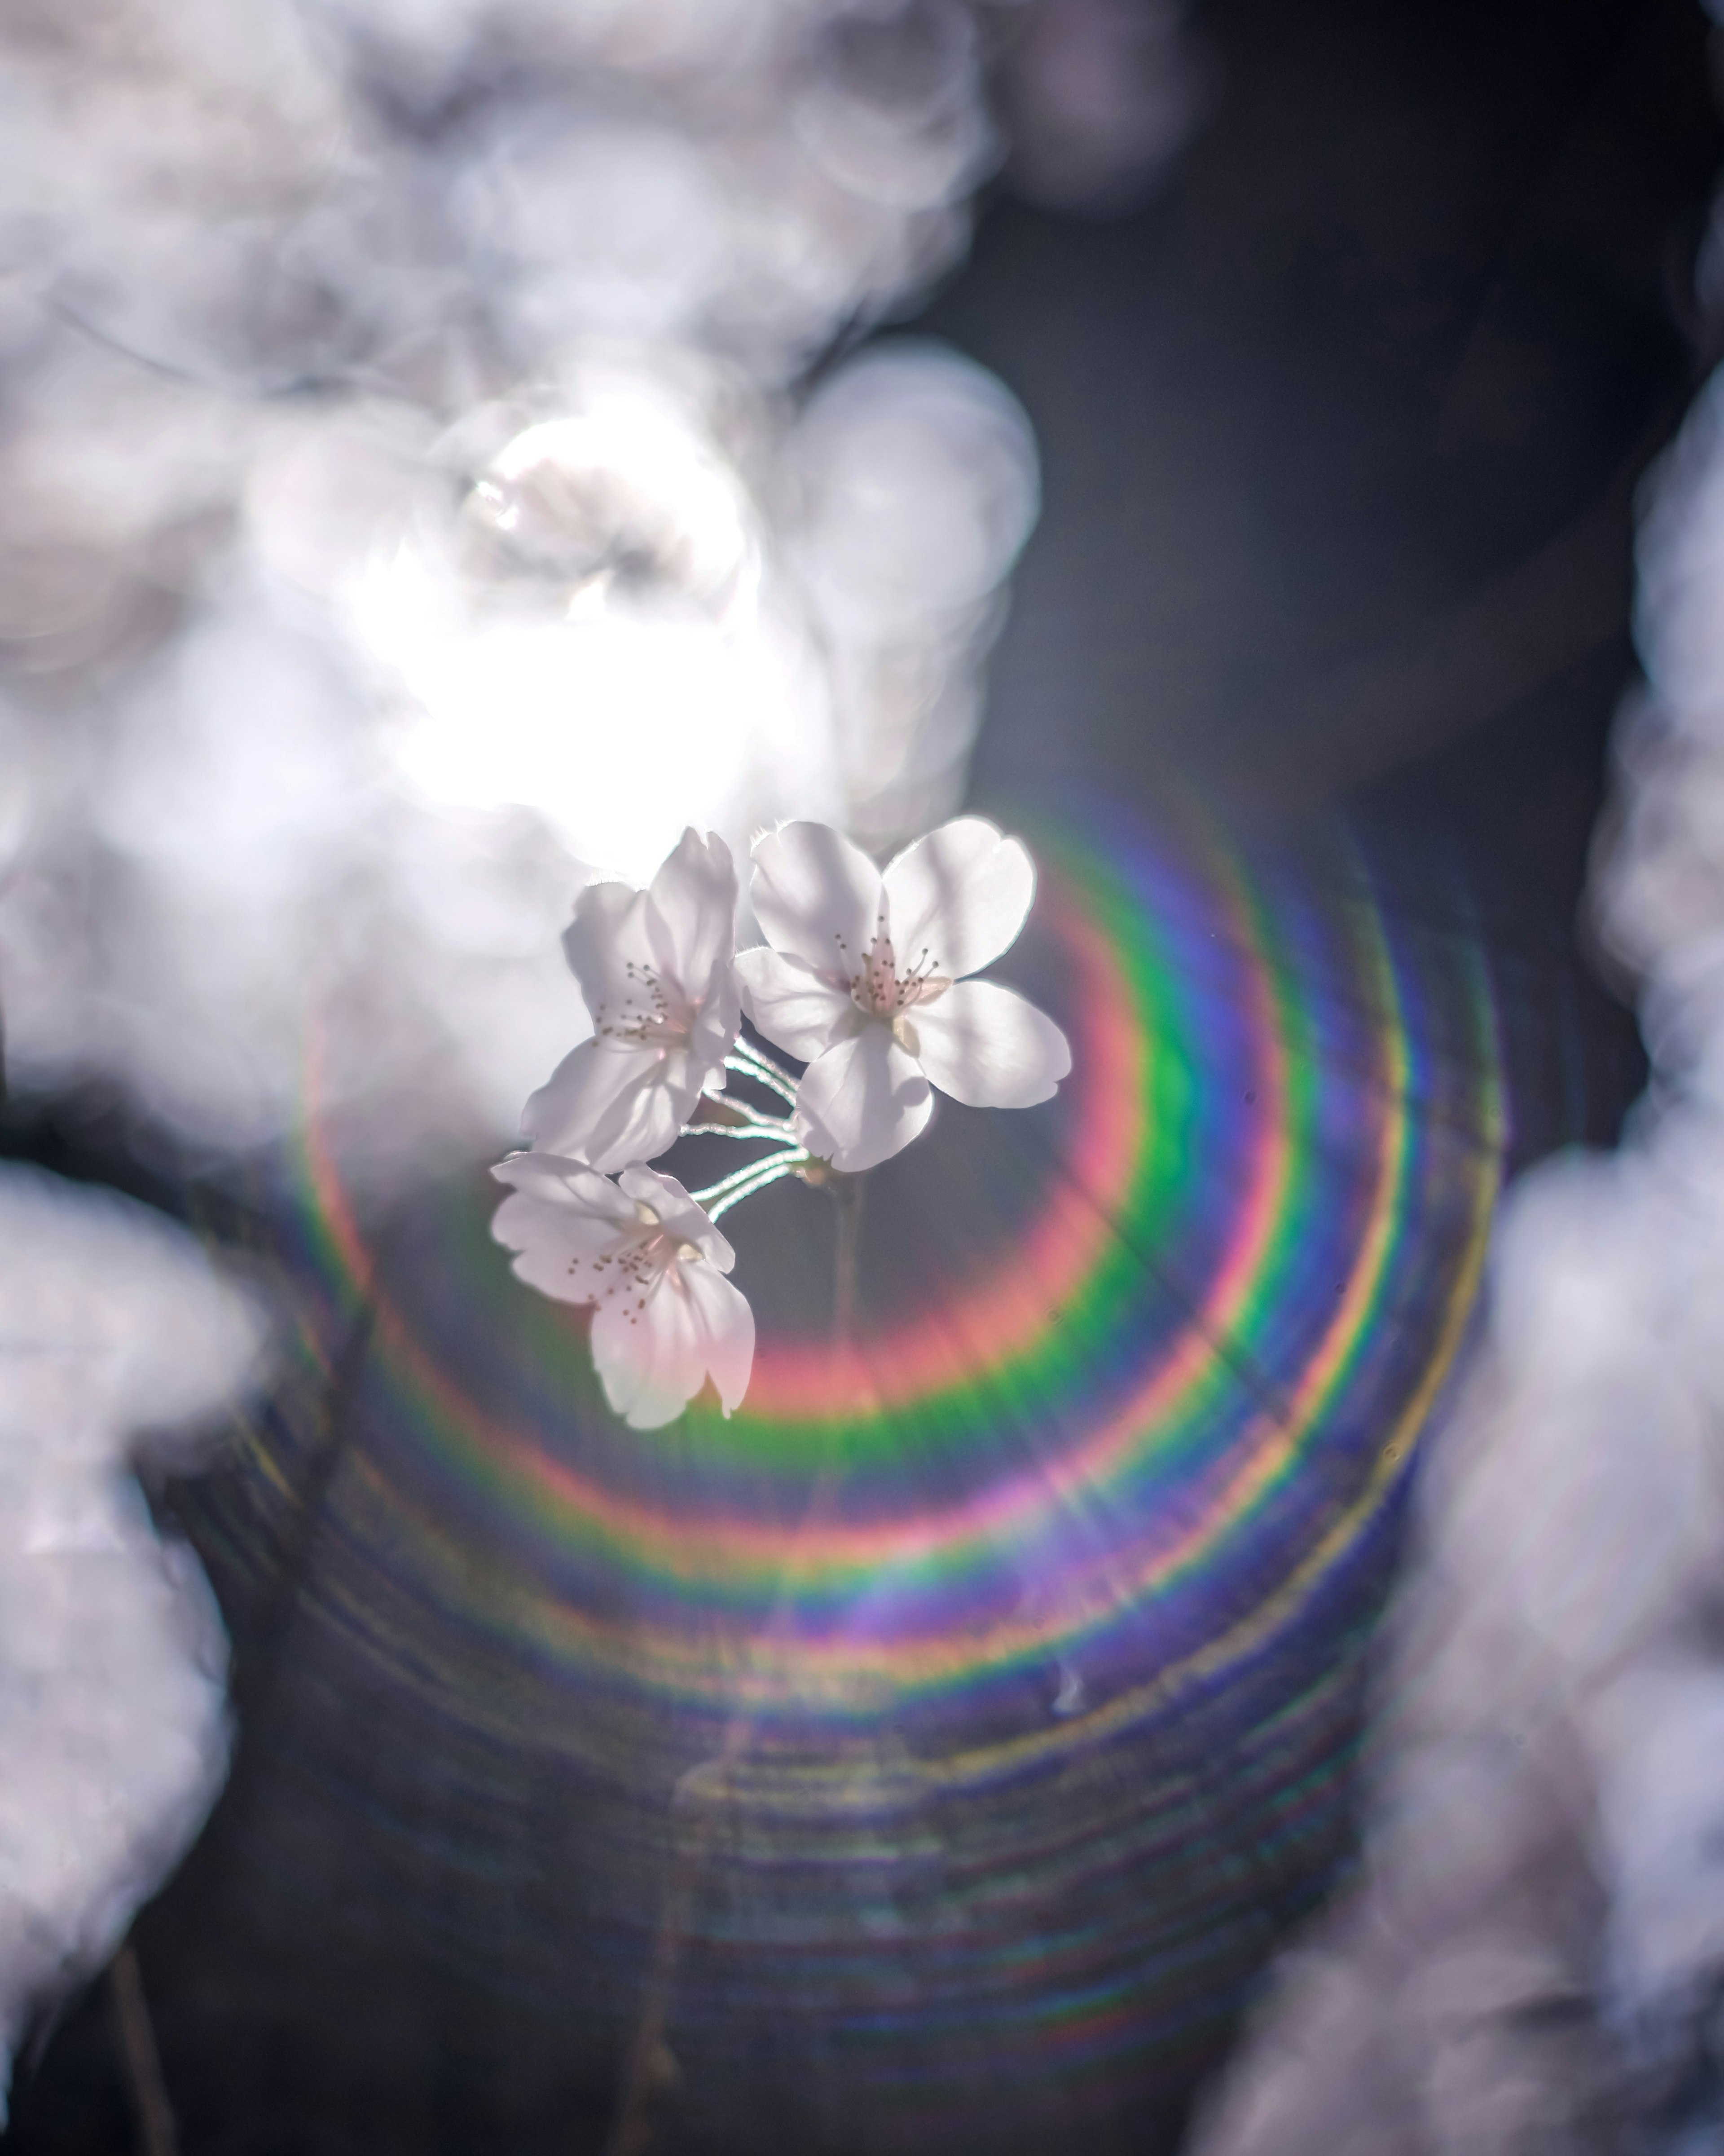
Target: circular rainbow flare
[1017, 1646]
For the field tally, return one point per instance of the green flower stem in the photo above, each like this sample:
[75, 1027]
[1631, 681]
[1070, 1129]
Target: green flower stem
[734, 1179]
[755, 1176]
[770, 1128]
[749, 1063]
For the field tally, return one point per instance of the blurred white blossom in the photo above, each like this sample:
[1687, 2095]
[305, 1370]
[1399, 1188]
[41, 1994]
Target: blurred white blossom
[418, 505]
[1534, 1951]
[1099, 96]
[112, 1659]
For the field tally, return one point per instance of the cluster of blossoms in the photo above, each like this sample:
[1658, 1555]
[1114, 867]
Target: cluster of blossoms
[863, 978]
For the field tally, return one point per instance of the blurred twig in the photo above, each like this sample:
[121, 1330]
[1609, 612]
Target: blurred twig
[143, 2061]
[847, 1192]
[651, 2067]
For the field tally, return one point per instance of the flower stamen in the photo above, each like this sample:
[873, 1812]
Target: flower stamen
[880, 990]
[661, 1021]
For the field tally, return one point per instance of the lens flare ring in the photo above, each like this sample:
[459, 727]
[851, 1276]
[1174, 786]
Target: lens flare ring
[1248, 1116]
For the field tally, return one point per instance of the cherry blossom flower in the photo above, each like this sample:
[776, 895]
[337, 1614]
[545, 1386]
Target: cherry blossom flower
[863, 977]
[653, 1265]
[654, 968]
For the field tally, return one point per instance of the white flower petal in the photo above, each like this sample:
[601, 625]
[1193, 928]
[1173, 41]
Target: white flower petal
[607, 1106]
[653, 1353]
[988, 1047]
[654, 970]
[723, 1312]
[957, 898]
[862, 1102]
[677, 1212]
[570, 1184]
[559, 1220]
[648, 1361]
[612, 930]
[714, 1036]
[694, 909]
[816, 896]
[799, 1008]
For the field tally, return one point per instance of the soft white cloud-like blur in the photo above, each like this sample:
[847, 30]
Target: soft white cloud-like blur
[1533, 1957]
[117, 1337]
[916, 486]
[1099, 96]
[418, 504]
[156, 154]
[581, 612]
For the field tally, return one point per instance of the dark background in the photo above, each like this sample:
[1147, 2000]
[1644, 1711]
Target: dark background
[1340, 435]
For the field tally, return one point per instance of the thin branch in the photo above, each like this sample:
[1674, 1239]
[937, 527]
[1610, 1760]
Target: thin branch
[725, 1106]
[743, 1046]
[738, 1177]
[737, 1196]
[748, 1062]
[847, 1191]
[785, 1091]
[772, 1128]
[765, 1172]
[650, 2066]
